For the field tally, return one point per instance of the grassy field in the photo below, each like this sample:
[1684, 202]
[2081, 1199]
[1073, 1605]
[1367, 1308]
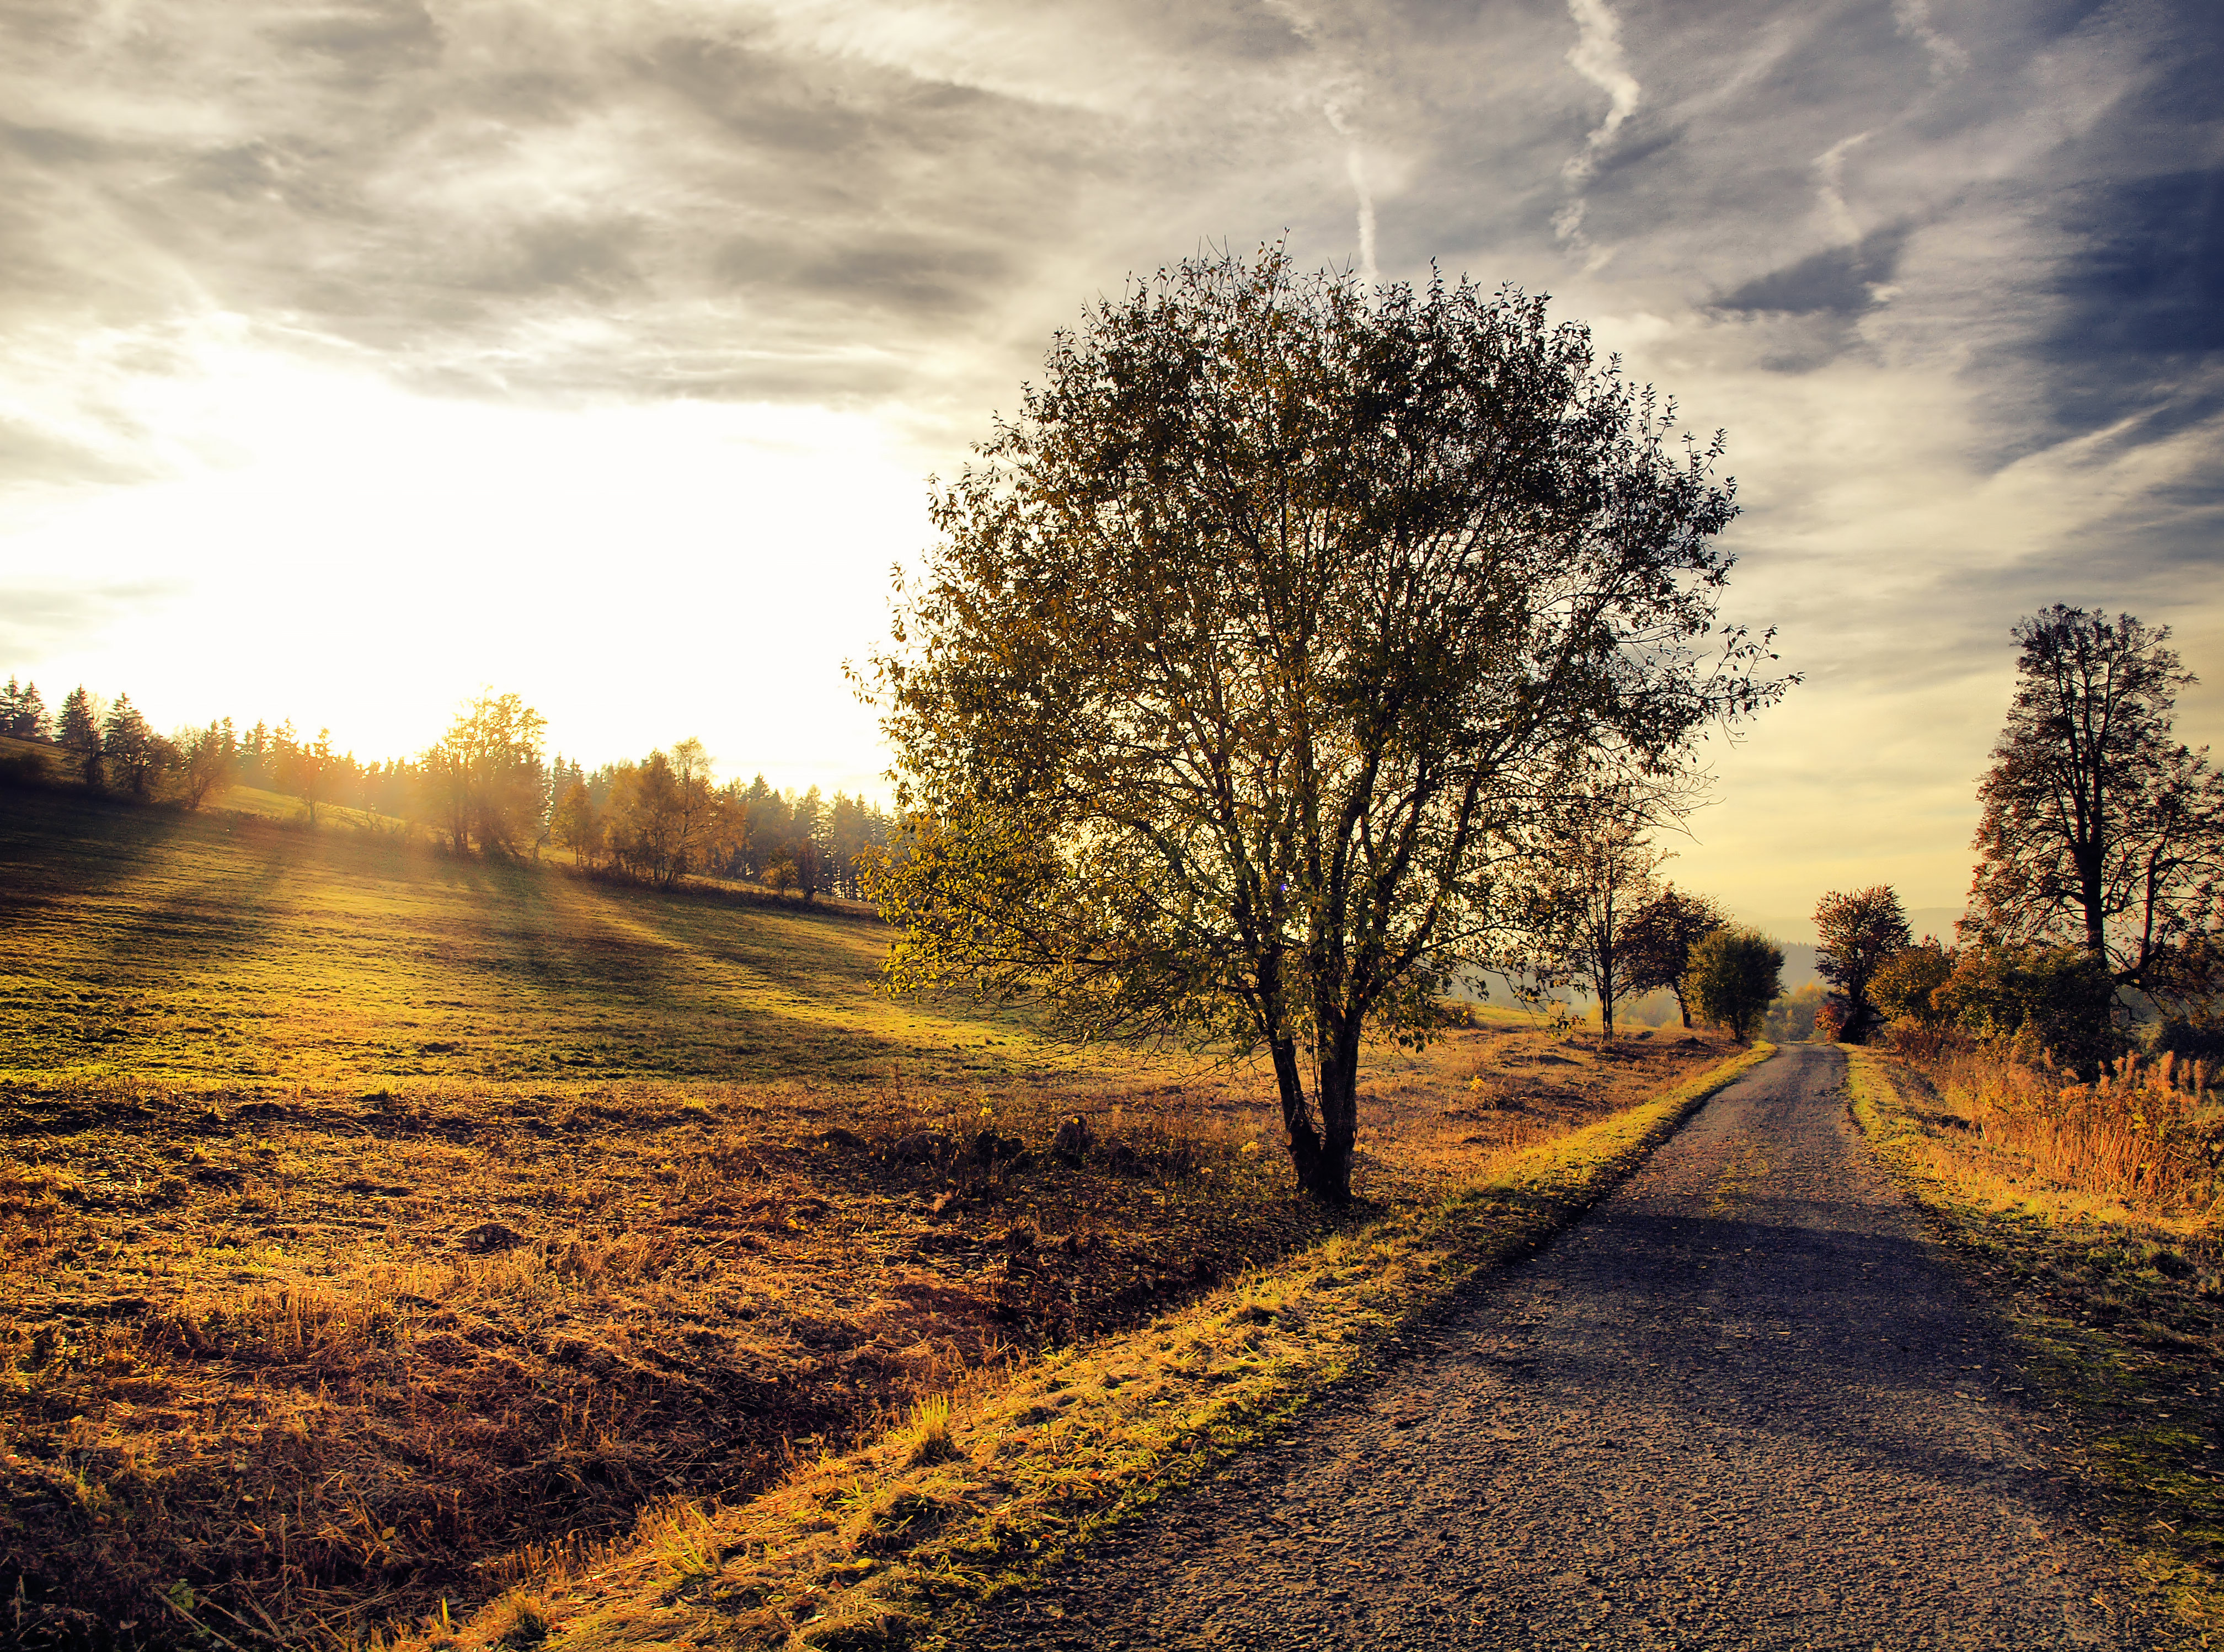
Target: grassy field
[380, 1230]
[2117, 1307]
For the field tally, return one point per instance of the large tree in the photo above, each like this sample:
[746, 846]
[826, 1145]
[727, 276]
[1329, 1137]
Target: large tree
[1253, 638]
[2099, 829]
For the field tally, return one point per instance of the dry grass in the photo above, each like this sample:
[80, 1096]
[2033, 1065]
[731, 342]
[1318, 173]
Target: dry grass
[2071, 1210]
[877, 1548]
[2147, 1132]
[378, 1231]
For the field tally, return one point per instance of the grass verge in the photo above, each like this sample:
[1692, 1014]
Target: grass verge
[2117, 1315]
[871, 1549]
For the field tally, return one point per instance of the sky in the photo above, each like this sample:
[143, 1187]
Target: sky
[354, 356]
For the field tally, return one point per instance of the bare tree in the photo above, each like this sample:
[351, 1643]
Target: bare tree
[1586, 873]
[205, 763]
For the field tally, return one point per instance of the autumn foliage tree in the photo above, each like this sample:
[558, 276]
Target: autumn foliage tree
[1253, 640]
[2101, 829]
[1907, 984]
[1855, 933]
[484, 781]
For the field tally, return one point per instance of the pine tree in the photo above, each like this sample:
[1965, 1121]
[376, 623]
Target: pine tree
[127, 744]
[81, 731]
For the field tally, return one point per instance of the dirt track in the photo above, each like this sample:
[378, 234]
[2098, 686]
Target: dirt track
[1739, 1406]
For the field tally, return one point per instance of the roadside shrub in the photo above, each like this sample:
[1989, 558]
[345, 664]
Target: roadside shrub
[2189, 1042]
[2141, 1129]
[22, 770]
[1791, 1018]
[2060, 998]
[1906, 982]
[1925, 1042]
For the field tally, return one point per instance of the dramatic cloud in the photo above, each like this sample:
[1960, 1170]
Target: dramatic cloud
[354, 352]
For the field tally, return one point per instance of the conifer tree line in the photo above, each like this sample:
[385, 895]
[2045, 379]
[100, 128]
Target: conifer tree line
[490, 787]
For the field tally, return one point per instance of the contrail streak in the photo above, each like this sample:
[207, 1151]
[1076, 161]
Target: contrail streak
[1596, 56]
[1355, 164]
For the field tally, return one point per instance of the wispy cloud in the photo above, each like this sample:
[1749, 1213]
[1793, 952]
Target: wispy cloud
[1830, 188]
[1597, 56]
[1355, 163]
[1957, 293]
[1341, 87]
[1912, 19]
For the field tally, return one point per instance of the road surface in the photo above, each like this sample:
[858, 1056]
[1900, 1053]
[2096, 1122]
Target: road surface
[1740, 1405]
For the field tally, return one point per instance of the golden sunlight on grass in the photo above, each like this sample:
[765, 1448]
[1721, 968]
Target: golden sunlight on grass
[2114, 1285]
[378, 1231]
[861, 1550]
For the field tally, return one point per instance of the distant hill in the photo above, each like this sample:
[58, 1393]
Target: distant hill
[1798, 965]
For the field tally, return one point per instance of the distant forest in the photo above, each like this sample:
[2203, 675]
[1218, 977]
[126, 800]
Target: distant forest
[489, 786]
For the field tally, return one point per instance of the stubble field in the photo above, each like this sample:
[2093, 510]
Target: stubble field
[377, 1229]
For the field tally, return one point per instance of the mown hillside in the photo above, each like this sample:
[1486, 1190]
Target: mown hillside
[231, 947]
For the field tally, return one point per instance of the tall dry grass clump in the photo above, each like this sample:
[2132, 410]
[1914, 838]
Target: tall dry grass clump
[2144, 1129]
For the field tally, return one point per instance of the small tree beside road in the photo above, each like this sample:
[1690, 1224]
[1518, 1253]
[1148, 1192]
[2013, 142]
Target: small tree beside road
[1587, 874]
[1662, 933]
[1855, 933]
[1735, 974]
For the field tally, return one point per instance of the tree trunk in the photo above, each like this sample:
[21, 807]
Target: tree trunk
[1339, 1108]
[2093, 897]
[1307, 1154]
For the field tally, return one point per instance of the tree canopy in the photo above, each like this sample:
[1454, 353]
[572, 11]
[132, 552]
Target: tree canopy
[1658, 942]
[1253, 640]
[1735, 974]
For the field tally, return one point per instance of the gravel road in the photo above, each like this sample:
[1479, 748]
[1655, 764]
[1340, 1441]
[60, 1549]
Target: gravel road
[1738, 1406]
